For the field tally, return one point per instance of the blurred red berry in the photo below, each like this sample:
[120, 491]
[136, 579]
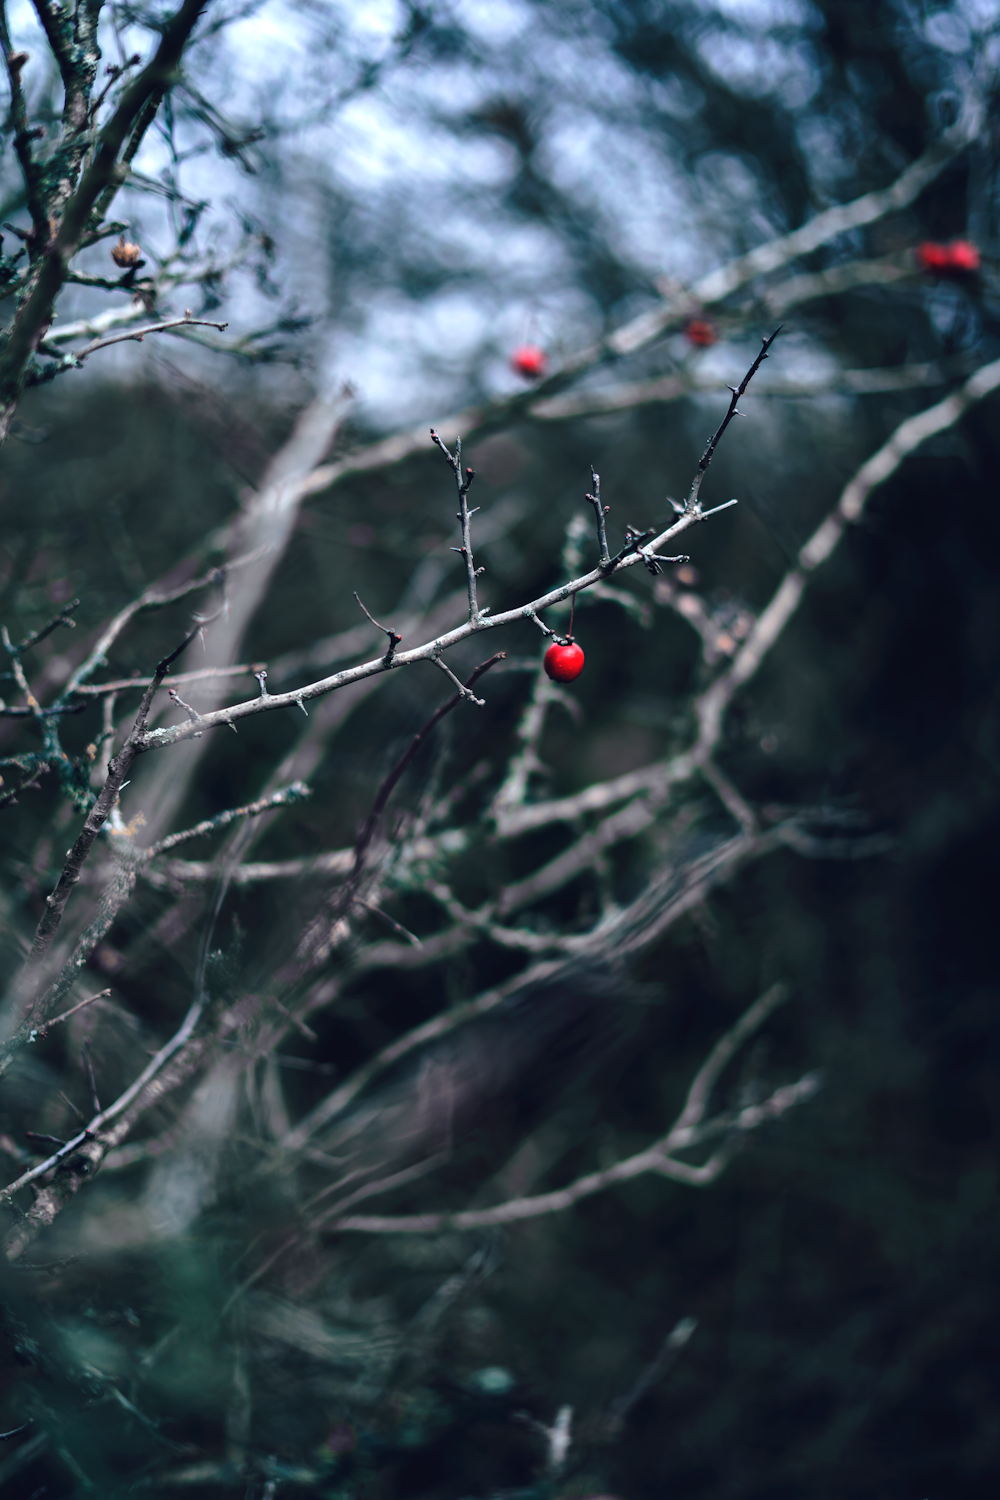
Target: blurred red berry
[964, 256]
[959, 258]
[564, 663]
[932, 257]
[529, 361]
[701, 333]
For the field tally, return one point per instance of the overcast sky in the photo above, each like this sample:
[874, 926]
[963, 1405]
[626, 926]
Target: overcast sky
[358, 184]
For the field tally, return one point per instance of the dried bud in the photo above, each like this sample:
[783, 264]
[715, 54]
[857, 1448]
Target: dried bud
[16, 61]
[125, 254]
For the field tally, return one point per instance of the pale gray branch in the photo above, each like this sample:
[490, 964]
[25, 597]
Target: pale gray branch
[657, 1158]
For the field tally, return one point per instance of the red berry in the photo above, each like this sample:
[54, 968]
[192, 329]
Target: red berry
[564, 663]
[957, 259]
[964, 256]
[529, 361]
[701, 333]
[932, 257]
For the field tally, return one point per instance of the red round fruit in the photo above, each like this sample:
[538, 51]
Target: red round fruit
[701, 333]
[529, 361]
[960, 258]
[564, 663]
[964, 256]
[933, 257]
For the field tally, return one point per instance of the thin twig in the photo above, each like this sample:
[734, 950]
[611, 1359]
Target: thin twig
[77, 356]
[101, 995]
[394, 637]
[62, 618]
[89, 1066]
[600, 511]
[656, 1159]
[55, 903]
[297, 792]
[463, 482]
[714, 440]
[388, 785]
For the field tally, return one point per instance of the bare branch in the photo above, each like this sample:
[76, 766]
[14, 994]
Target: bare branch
[176, 871]
[906, 439]
[600, 511]
[149, 600]
[34, 313]
[388, 785]
[62, 618]
[297, 792]
[673, 312]
[23, 134]
[55, 903]
[74, 359]
[715, 439]
[656, 779]
[101, 995]
[394, 637]
[657, 1158]
[657, 909]
[159, 738]
[463, 482]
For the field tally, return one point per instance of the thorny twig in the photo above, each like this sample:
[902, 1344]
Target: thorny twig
[600, 511]
[638, 547]
[693, 503]
[118, 769]
[463, 482]
[297, 792]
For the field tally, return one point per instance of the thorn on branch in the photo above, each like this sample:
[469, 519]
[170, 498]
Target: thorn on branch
[714, 440]
[394, 640]
[634, 541]
[464, 517]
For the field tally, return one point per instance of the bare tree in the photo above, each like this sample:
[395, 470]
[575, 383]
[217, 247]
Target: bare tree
[389, 1126]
